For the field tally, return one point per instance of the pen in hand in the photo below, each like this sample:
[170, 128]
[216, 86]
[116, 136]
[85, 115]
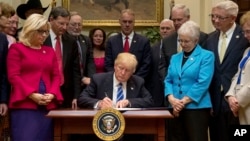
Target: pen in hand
[106, 94]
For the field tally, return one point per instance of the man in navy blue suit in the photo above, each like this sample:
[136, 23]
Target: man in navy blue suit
[223, 18]
[138, 45]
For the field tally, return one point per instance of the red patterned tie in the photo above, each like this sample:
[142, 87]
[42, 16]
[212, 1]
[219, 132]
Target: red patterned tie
[59, 58]
[126, 45]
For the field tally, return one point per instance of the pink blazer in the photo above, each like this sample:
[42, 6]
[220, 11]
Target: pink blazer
[26, 67]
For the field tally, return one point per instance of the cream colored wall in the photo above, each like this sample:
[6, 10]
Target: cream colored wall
[199, 10]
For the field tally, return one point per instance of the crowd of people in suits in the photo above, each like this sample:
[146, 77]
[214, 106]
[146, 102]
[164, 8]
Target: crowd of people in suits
[49, 64]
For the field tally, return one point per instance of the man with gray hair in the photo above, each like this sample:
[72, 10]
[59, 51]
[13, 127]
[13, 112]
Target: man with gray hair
[228, 44]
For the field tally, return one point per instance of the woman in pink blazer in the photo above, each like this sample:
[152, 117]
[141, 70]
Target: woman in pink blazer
[34, 77]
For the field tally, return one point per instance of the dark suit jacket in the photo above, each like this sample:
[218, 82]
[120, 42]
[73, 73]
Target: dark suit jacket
[224, 72]
[169, 45]
[155, 80]
[71, 88]
[87, 55]
[102, 83]
[140, 47]
[4, 85]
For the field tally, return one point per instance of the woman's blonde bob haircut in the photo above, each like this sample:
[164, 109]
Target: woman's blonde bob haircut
[30, 26]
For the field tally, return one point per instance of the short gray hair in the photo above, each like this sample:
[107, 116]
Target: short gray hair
[183, 7]
[230, 7]
[190, 28]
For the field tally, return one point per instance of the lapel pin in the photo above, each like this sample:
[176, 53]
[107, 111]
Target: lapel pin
[134, 41]
[132, 88]
[192, 59]
[83, 41]
[237, 36]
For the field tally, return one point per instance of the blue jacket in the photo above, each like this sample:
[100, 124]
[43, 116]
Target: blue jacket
[192, 79]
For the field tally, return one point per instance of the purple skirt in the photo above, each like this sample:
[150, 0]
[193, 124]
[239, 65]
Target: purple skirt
[31, 125]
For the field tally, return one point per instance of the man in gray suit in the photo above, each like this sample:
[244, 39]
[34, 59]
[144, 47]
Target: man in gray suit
[103, 90]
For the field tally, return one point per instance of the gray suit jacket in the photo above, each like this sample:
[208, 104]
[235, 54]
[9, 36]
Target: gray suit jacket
[102, 85]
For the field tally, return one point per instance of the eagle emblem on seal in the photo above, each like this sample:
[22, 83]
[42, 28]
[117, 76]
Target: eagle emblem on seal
[109, 124]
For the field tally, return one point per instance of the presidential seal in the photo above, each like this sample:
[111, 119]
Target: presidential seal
[108, 124]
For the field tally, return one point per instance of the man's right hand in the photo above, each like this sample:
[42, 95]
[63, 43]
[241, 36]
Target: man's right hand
[105, 103]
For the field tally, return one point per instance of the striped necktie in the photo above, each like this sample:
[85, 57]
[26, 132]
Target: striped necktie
[120, 94]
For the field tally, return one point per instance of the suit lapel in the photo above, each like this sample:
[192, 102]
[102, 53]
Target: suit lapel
[133, 43]
[66, 49]
[192, 58]
[214, 44]
[130, 87]
[178, 63]
[108, 83]
[119, 43]
[235, 37]
[48, 42]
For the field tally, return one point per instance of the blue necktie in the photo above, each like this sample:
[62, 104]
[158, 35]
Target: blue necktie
[120, 95]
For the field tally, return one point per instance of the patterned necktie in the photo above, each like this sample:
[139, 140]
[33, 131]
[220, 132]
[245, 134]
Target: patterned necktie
[58, 52]
[126, 45]
[120, 94]
[80, 54]
[223, 47]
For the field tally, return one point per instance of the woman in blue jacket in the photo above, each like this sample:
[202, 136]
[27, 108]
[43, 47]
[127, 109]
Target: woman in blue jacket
[186, 87]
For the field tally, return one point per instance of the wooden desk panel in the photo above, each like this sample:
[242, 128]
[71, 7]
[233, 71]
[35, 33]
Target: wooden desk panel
[137, 122]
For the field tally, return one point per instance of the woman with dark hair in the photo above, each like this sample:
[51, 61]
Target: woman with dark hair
[98, 38]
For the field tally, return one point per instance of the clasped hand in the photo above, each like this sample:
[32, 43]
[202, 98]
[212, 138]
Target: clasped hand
[108, 103]
[42, 99]
[177, 105]
[234, 105]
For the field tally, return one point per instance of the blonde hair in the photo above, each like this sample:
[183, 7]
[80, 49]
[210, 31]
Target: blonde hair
[128, 59]
[245, 17]
[33, 23]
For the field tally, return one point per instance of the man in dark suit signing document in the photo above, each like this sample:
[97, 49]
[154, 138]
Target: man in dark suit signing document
[118, 88]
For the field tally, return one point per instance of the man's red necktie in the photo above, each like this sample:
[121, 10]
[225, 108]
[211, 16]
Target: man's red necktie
[59, 58]
[126, 45]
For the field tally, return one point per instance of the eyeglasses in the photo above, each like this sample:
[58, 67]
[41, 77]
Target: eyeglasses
[184, 41]
[76, 24]
[220, 18]
[43, 32]
[246, 32]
